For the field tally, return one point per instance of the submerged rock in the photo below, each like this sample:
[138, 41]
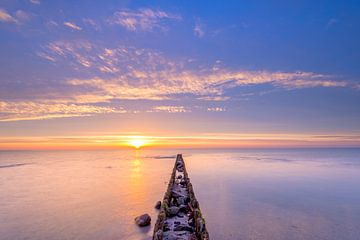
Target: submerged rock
[143, 220]
[158, 205]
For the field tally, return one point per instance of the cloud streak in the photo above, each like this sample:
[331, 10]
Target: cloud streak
[6, 17]
[32, 110]
[132, 73]
[72, 26]
[199, 30]
[37, 2]
[170, 109]
[202, 140]
[144, 19]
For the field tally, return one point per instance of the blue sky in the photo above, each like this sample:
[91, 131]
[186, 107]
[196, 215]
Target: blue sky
[169, 68]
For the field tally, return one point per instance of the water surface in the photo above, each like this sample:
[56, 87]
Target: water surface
[244, 194]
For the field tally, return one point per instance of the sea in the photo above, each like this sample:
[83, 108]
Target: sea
[247, 194]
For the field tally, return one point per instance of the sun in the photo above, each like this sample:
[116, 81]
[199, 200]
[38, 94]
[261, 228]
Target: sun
[137, 143]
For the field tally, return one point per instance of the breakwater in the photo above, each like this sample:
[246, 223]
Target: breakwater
[180, 216]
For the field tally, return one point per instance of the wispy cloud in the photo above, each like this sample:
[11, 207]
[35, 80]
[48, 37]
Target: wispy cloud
[35, 1]
[72, 26]
[205, 140]
[132, 73]
[22, 16]
[332, 22]
[92, 23]
[216, 109]
[19, 17]
[145, 19]
[6, 17]
[32, 110]
[170, 109]
[199, 29]
[214, 98]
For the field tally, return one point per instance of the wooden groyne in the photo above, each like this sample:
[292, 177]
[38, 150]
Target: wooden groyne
[180, 216]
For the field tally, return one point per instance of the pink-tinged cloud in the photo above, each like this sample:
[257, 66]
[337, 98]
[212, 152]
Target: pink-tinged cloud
[144, 19]
[6, 17]
[170, 109]
[22, 16]
[72, 26]
[31, 110]
[132, 73]
[216, 109]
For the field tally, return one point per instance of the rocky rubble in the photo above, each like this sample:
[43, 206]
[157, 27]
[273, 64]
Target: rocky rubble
[180, 216]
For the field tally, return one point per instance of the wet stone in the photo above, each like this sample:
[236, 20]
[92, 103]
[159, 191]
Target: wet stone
[173, 211]
[158, 205]
[183, 228]
[143, 220]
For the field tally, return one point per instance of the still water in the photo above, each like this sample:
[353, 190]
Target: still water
[243, 194]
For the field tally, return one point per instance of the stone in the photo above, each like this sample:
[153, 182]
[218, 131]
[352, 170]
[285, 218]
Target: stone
[183, 228]
[173, 211]
[143, 220]
[200, 226]
[181, 200]
[158, 205]
[158, 235]
[192, 237]
[184, 208]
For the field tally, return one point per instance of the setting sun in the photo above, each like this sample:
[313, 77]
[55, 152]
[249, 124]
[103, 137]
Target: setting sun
[137, 143]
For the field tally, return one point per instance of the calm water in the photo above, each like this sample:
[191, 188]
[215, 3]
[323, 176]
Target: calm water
[244, 194]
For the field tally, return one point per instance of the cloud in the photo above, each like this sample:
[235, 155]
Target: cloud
[35, 1]
[144, 19]
[6, 17]
[22, 16]
[132, 73]
[92, 23]
[19, 17]
[32, 110]
[216, 109]
[332, 22]
[170, 109]
[72, 26]
[199, 30]
[214, 98]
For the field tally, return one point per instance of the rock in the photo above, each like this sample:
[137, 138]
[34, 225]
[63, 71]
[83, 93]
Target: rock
[173, 211]
[181, 200]
[180, 166]
[192, 237]
[143, 220]
[200, 225]
[184, 208]
[183, 228]
[158, 235]
[172, 236]
[158, 205]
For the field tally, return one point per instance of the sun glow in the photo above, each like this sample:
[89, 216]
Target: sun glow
[137, 142]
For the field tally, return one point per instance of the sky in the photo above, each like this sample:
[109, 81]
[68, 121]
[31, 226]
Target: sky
[96, 74]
